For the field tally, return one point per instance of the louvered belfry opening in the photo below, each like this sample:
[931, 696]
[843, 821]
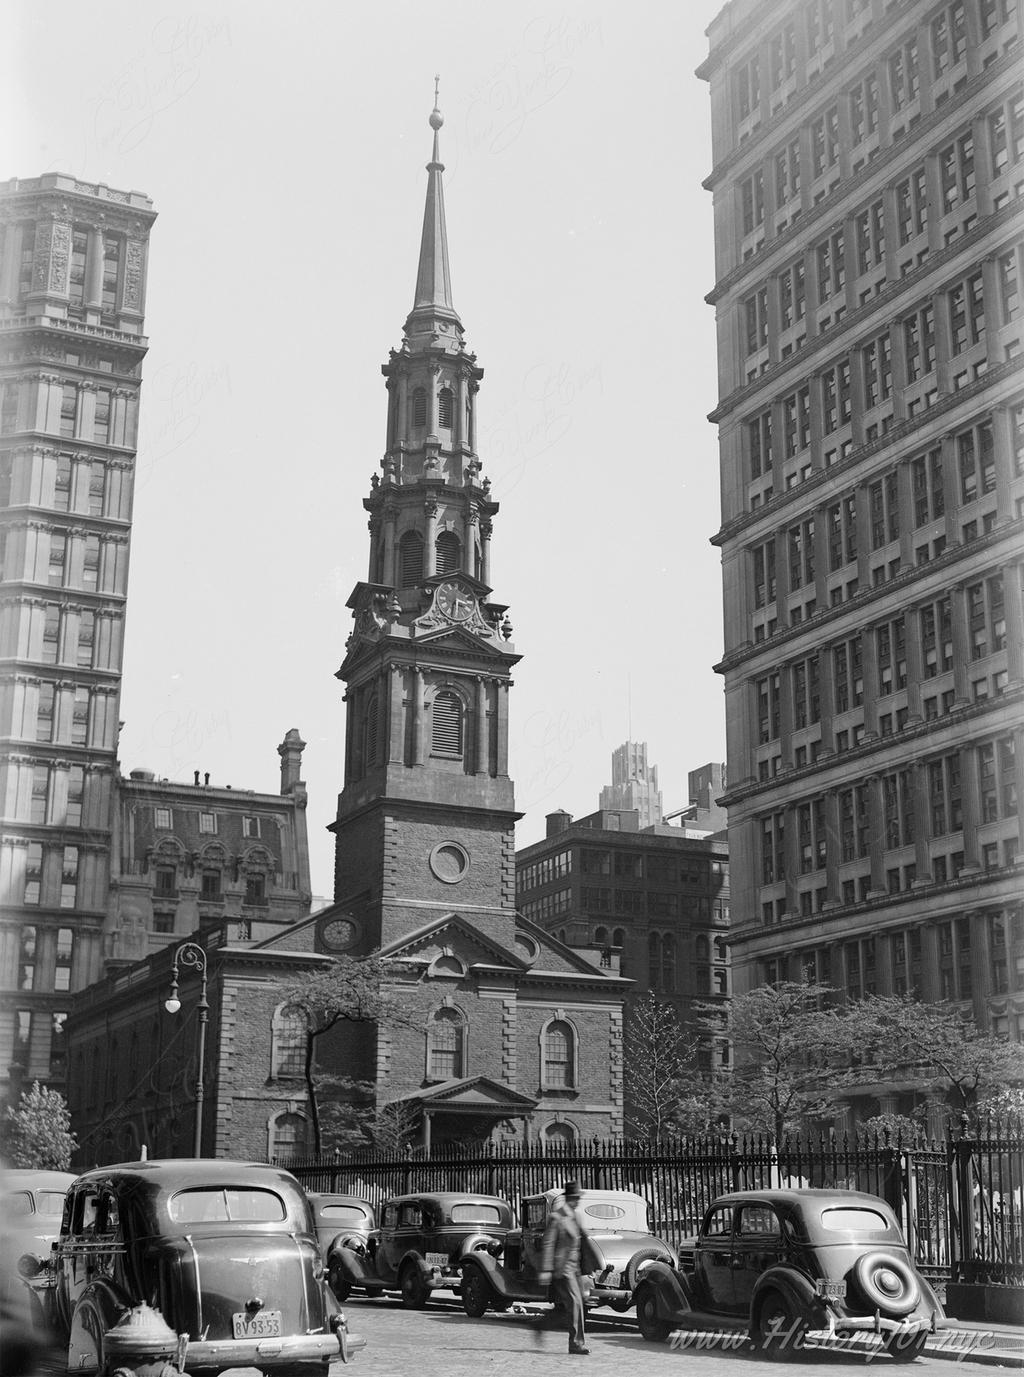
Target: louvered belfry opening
[447, 724]
[419, 406]
[410, 559]
[371, 737]
[449, 553]
[445, 408]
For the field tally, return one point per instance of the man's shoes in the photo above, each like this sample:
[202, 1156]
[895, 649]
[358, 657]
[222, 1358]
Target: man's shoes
[579, 1348]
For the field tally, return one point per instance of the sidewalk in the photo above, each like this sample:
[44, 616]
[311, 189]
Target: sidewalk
[997, 1345]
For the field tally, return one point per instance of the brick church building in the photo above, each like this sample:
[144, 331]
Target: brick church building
[508, 1032]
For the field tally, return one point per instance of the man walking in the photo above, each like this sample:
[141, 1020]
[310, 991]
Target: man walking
[560, 1263]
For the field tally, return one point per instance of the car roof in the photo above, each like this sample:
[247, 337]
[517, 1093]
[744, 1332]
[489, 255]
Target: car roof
[337, 1198]
[22, 1180]
[182, 1172]
[778, 1195]
[449, 1197]
[555, 1192]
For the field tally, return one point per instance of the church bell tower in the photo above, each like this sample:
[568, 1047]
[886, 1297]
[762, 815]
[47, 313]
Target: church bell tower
[425, 821]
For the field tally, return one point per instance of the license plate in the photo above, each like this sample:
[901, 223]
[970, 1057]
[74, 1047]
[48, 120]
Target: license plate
[264, 1324]
[830, 1290]
[436, 1260]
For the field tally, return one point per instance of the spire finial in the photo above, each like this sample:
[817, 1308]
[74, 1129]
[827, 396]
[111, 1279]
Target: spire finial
[436, 118]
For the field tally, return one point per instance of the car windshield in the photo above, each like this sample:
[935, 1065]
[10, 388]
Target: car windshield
[854, 1219]
[214, 1204]
[343, 1214]
[476, 1214]
[50, 1202]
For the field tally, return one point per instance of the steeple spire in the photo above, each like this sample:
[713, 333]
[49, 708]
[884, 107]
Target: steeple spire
[433, 277]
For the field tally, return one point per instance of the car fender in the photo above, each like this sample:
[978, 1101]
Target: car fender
[95, 1313]
[482, 1243]
[356, 1268]
[672, 1294]
[796, 1287]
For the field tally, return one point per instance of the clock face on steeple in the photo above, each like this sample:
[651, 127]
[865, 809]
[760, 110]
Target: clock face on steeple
[455, 602]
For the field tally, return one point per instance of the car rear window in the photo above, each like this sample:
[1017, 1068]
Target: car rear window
[854, 1219]
[600, 1209]
[211, 1205]
[344, 1214]
[476, 1214]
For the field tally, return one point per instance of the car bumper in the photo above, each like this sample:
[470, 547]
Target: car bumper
[876, 1324]
[268, 1354]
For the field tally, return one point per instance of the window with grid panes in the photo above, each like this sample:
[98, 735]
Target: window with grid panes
[842, 532]
[869, 235]
[937, 637]
[767, 694]
[884, 507]
[985, 616]
[976, 461]
[86, 638]
[796, 422]
[26, 257]
[806, 692]
[948, 35]
[773, 848]
[926, 483]
[876, 357]
[759, 443]
[755, 315]
[69, 877]
[966, 305]
[763, 557]
[58, 552]
[904, 75]
[956, 172]
[33, 872]
[288, 1044]
[792, 294]
[944, 796]
[62, 484]
[847, 674]
[76, 267]
[1006, 135]
[891, 655]
[787, 174]
[800, 540]
[65, 954]
[44, 712]
[101, 417]
[68, 410]
[748, 88]
[825, 141]
[97, 487]
[782, 56]
[752, 201]
[1007, 275]
[558, 1055]
[836, 397]
[40, 793]
[91, 562]
[831, 266]
[912, 205]
[898, 809]
[111, 272]
[80, 718]
[863, 100]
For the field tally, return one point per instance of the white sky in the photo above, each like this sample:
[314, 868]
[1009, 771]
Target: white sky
[284, 148]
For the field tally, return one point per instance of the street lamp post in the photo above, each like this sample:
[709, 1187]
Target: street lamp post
[192, 954]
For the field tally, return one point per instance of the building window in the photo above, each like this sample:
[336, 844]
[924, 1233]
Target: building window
[210, 891]
[912, 206]
[250, 827]
[445, 408]
[208, 823]
[919, 343]
[926, 482]
[288, 1137]
[446, 724]
[835, 397]
[289, 1030]
[976, 462]
[768, 707]
[904, 75]
[937, 637]
[759, 441]
[419, 406]
[948, 38]
[848, 674]
[877, 361]
[997, 778]
[944, 795]
[449, 553]
[842, 532]
[76, 796]
[773, 848]
[884, 507]
[165, 882]
[58, 1043]
[410, 559]
[748, 88]
[65, 952]
[864, 109]
[986, 617]
[22, 1037]
[558, 1071]
[256, 889]
[796, 422]
[162, 819]
[806, 692]
[446, 1036]
[891, 656]
[831, 265]
[755, 315]
[69, 878]
[764, 573]
[1006, 135]
[752, 202]
[966, 313]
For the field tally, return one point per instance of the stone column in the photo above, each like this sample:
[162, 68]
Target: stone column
[876, 832]
[501, 763]
[922, 856]
[403, 409]
[390, 550]
[482, 753]
[396, 724]
[418, 711]
[474, 388]
[970, 806]
[460, 408]
[486, 528]
[1002, 456]
[430, 539]
[433, 387]
[9, 260]
[961, 642]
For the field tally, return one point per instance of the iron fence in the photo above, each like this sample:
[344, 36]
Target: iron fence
[958, 1199]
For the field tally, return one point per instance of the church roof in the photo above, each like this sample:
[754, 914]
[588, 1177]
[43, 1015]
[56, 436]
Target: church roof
[472, 1093]
[433, 297]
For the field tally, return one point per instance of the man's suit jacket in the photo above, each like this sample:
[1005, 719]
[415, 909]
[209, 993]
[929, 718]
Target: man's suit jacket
[563, 1240]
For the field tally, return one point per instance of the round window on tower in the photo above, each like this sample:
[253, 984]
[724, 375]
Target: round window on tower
[450, 862]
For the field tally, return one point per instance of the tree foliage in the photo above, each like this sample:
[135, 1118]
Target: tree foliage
[351, 990]
[781, 1040]
[37, 1134]
[659, 1059]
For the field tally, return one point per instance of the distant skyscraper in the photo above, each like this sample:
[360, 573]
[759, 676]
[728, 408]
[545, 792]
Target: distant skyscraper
[634, 784]
[72, 295]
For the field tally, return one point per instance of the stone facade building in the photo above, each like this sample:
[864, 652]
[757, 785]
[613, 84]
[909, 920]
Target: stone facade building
[73, 259]
[867, 181]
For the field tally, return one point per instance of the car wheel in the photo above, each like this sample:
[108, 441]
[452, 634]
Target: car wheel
[476, 1294]
[640, 1259]
[415, 1291]
[887, 1283]
[339, 1283]
[780, 1328]
[621, 1306]
[904, 1348]
[654, 1329]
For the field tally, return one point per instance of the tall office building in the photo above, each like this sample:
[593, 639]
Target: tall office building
[72, 297]
[868, 167]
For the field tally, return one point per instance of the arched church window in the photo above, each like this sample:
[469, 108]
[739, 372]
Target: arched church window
[445, 408]
[419, 406]
[449, 553]
[618, 938]
[558, 1071]
[288, 1137]
[601, 935]
[559, 1136]
[410, 559]
[447, 724]
[446, 1045]
[288, 1043]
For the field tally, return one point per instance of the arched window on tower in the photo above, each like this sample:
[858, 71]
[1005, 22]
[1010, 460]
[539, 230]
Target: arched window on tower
[446, 1038]
[618, 938]
[449, 553]
[410, 559]
[419, 406]
[445, 408]
[558, 1054]
[446, 738]
[288, 1137]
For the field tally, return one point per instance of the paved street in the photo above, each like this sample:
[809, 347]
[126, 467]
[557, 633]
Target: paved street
[401, 1343]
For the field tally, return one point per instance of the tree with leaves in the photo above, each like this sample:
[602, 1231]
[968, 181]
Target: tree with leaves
[897, 1037]
[781, 1040]
[659, 1058]
[37, 1134]
[353, 989]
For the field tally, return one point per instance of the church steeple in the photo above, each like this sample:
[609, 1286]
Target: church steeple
[433, 276]
[428, 664]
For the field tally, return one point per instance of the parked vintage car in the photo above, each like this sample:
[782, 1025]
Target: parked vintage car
[33, 1205]
[784, 1264]
[620, 1248]
[337, 1218]
[207, 1264]
[421, 1245]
